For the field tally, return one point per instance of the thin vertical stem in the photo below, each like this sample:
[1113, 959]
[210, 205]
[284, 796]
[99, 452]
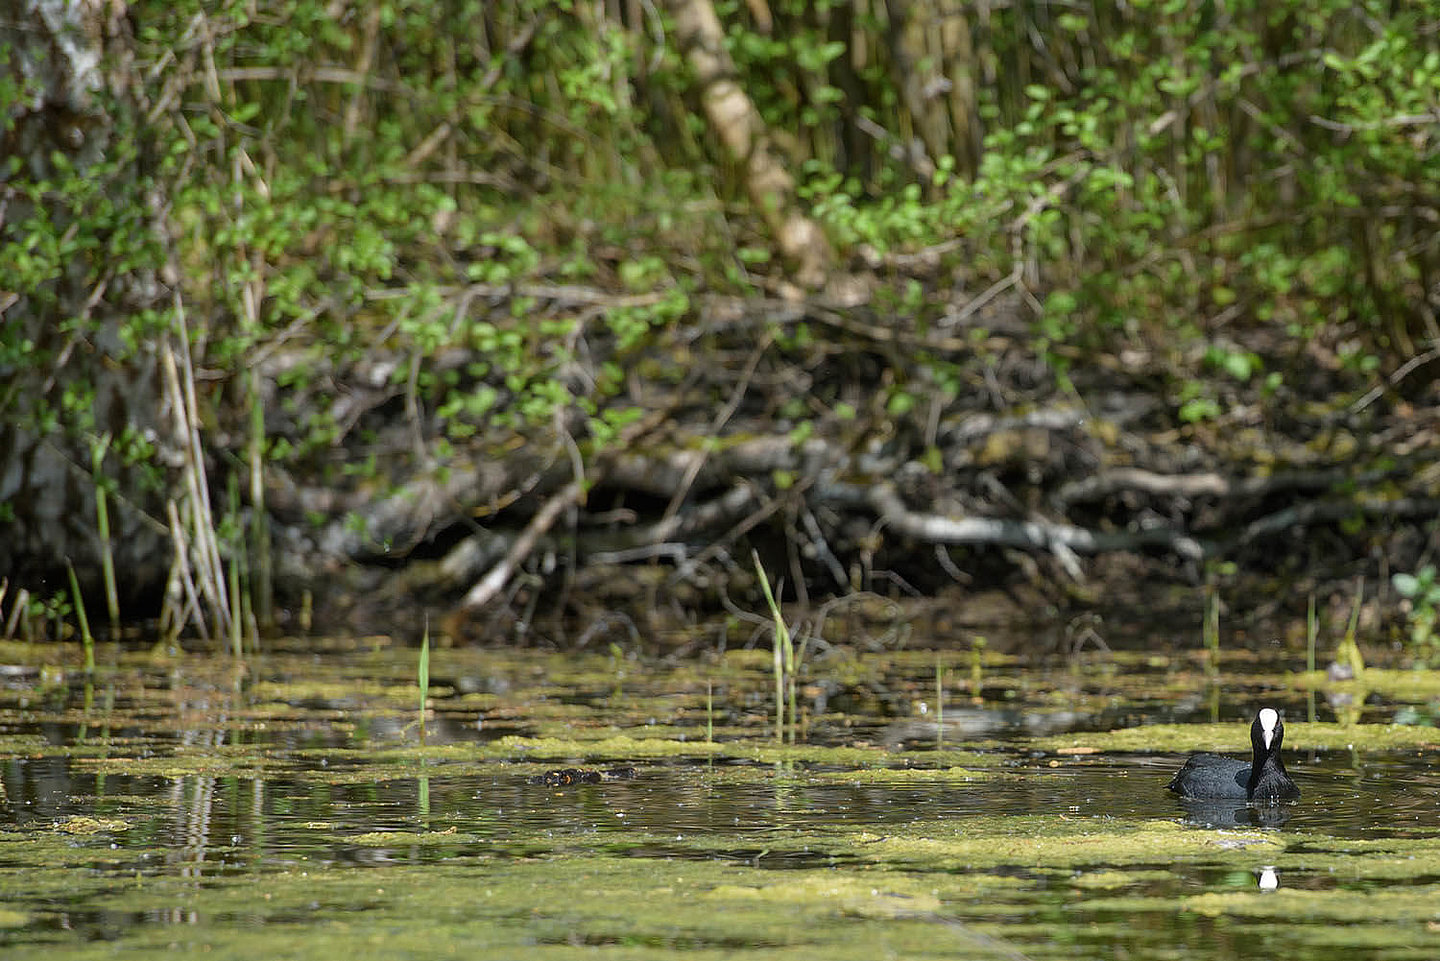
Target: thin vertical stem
[1312, 634]
[423, 673]
[939, 703]
[85, 637]
[102, 521]
[261, 570]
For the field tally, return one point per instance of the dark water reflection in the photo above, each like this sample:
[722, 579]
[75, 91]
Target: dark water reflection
[273, 818]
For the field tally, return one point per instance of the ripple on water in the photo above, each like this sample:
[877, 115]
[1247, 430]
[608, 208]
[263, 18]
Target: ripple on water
[146, 823]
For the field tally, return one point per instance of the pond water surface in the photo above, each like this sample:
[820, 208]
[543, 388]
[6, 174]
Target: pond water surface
[286, 808]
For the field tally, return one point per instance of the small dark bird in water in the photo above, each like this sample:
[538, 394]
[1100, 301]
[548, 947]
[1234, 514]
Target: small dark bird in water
[1214, 776]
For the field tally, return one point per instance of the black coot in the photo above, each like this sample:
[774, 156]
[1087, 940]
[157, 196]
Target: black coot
[1263, 779]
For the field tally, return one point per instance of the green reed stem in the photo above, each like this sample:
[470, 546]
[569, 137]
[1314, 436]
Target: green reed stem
[238, 574]
[1211, 631]
[1355, 608]
[1312, 635]
[791, 673]
[939, 703]
[85, 637]
[784, 650]
[977, 668]
[261, 574]
[237, 638]
[1347, 652]
[424, 675]
[102, 521]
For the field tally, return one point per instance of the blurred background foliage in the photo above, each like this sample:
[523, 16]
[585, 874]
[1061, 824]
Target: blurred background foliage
[493, 215]
[1228, 189]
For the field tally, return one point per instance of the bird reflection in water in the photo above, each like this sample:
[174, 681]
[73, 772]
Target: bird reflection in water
[1219, 813]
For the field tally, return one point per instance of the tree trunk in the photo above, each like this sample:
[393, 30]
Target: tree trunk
[934, 60]
[79, 260]
[741, 129]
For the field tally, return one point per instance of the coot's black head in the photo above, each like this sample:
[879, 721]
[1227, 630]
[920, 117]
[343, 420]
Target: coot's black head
[1267, 733]
[1268, 779]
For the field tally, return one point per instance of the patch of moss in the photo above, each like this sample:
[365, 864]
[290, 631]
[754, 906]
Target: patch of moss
[183, 764]
[88, 825]
[636, 908]
[1407, 686]
[1234, 738]
[1415, 905]
[400, 838]
[399, 693]
[1053, 842]
[1107, 879]
[23, 745]
[908, 775]
[608, 747]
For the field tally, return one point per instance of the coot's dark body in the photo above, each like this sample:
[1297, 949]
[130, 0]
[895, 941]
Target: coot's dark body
[1220, 777]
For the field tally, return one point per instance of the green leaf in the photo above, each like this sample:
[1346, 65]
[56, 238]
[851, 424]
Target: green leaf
[1238, 365]
[1201, 408]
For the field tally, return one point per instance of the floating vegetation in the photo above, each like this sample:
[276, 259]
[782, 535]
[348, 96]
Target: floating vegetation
[88, 825]
[549, 791]
[450, 835]
[1231, 737]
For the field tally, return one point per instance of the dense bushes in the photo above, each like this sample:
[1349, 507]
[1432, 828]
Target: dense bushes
[498, 215]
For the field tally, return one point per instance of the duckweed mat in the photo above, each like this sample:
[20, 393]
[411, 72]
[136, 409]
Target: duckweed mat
[599, 806]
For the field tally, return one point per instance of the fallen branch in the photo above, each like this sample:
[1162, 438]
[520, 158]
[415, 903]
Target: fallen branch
[1211, 484]
[493, 582]
[1035, 535]
[1304, 515]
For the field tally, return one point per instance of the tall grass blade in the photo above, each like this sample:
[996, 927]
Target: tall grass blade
[17, 614]
[424, 675]
[263, 593]
[977, 669]
[200, 538]
[1312, 634]
[939, 703]
[780, 647]
[1211, 632]
[102, 521]
[85, 637]
[241, 613]
[1347, 652]
[237, 647]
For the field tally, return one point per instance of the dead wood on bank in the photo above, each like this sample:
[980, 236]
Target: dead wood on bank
[797, 447]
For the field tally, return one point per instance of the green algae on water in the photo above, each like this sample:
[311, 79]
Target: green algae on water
[1055, 842]
[79, 824]
[1234, 738]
